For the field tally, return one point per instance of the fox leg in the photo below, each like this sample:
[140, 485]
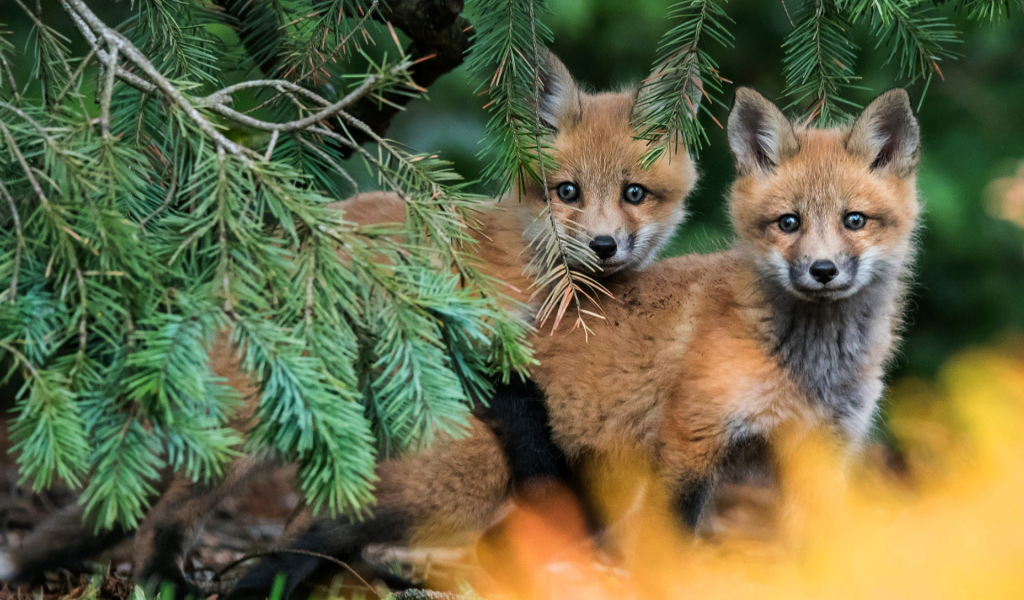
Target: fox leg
[448, 494]
[175, 522]
[695, 445]
[61, 540]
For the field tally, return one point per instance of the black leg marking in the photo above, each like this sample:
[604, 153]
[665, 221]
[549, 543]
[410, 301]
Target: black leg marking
[518, 413]
[749, 461]
[163, 565]
[395, 583]
[692, 501]
[339, 538]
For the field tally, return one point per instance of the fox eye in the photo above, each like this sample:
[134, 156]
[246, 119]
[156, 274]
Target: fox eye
[789, 223]
[635, 193]
[854, 220]
[568, 192]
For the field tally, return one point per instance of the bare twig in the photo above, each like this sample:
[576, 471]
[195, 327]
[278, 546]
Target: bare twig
[21, 358]
[308, 310]
[440, 38]
[128, 77]
[110, 70]
[270, 146]
[125, 47]
[223, 232]
[220, 96]
[304, 123]
[25, 166]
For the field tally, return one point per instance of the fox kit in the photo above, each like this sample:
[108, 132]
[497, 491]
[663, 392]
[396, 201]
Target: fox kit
[599, 192]
[794, 324]
[700, 354]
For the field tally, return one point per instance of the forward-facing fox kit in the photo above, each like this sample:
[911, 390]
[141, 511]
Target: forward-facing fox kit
[696, 356]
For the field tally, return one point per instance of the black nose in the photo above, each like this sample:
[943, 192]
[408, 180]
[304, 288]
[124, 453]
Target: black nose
[824, 270]
[604, 246]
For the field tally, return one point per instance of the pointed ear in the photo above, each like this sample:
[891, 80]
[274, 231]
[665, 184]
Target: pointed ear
[559, 100]
[760, 136]
[886, 135]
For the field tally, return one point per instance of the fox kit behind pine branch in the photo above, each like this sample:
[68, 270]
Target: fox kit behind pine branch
[600, 193]
[700, 354]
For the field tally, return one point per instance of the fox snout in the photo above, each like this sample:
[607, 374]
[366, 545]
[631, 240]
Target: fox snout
[616, 251]
[824, 277]
[604, 246]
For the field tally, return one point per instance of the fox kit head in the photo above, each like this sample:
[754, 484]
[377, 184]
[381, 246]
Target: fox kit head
[825, 211]
[600, 193]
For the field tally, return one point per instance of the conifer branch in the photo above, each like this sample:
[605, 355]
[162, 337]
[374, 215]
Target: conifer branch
[118, 43]
[20, 243]
[6, 51]
[566, 287]
[819, 60]
[331, 56]
[139, 230]
[990, 10]
[684, 75]
[916, 38]
[217, 102]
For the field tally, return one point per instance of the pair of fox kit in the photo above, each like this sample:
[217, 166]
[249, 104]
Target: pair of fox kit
[696, 356]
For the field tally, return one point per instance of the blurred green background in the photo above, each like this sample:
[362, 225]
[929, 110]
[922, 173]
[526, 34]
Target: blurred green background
[969, 287]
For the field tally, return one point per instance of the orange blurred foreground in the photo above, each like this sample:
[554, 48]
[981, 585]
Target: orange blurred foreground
[955, 531]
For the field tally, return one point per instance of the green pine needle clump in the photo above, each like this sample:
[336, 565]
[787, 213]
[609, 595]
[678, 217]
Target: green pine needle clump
[685, 75]
[154, 223]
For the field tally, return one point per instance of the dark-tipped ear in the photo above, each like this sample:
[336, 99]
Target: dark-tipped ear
[760, 136]
[559, 100]
[887, 135]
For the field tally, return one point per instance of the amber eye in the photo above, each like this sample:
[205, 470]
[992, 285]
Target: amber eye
[789, 223]
[855, 220]
[568, 192]
[634, 193]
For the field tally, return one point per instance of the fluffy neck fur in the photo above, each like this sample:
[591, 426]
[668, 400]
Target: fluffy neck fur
[835, 350]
